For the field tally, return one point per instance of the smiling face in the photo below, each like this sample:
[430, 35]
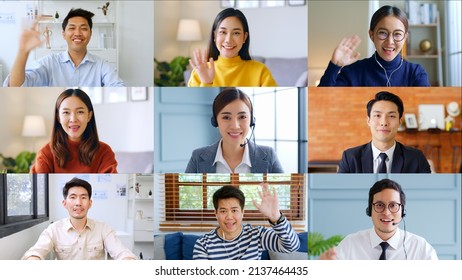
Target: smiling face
[234, 122]
[383, 222]
[229, 215]
[384, 122]
[74, 117]
[388, 48]
[229, 37]
[77, 34]
[77, 203]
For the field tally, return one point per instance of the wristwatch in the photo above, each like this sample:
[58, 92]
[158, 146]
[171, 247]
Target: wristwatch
[280, 220]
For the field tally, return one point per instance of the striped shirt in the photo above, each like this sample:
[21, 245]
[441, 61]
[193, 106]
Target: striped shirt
[249, 244]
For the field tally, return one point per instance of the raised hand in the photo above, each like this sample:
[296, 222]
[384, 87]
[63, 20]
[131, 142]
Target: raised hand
[344, 54]
[269, 205]
[199, 63]
[330, 254]
[30, 38]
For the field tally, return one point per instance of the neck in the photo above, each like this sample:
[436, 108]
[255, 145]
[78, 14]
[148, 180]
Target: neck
[76, 56]
[232, 152]
[383, 146]
[229, 236]
[385, 236]
[79, 224]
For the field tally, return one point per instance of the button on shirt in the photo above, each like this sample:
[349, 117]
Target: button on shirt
[58, 70]
[68, 244]
[223, 167]
[376, 156]
[365, 245]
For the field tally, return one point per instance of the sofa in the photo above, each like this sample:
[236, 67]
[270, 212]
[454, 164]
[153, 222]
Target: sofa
[288, 72]
[179, 246]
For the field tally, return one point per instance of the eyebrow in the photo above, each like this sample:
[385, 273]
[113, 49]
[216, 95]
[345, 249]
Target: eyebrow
[229, 113]
[382, 28]
[389, 112]
[75, 108]
[236, 28]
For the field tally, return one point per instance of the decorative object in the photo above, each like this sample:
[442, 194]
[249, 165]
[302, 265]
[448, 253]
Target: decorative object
[150, 194]
[33, 126]
[189, 30]
[139, 214]
[425, 46]
[171, 74]
[297, 2]
[411, 121]
[453, 110]
[47, 34]
[56, 16]
[20, 164]
[138, 94]
[104, 8]
[318, 245]
[137, 190]
[431, 116]
[227, 3]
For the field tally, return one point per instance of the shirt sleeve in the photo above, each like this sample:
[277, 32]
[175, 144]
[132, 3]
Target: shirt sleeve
[43, 162]
[110, 77]
[114, 246]
[421, 77]
[42, 247]
[108, 162]
[199, 252]
[282, 238]
[267, 79]
[331, 76]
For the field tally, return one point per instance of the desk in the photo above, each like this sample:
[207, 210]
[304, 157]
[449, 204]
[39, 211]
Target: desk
[323, 166]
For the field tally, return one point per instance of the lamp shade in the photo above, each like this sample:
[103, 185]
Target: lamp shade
[34, 126]
[189, 30]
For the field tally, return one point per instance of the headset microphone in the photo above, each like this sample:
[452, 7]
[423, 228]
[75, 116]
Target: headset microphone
[396, 223]
[251, 135]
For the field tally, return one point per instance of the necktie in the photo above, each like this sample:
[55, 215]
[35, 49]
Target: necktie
[383, 165]
[384, 246]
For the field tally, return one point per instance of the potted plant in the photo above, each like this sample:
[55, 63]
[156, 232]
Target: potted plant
[318, 245]
[171, 73]
[20, 164]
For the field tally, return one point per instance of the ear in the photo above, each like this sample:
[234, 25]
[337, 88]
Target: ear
[368, 120]
[64, 203]
[62, 33]
[371, 35]
[90, 114]
[91, 203]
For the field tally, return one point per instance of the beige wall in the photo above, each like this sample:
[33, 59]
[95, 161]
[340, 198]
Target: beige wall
[275, 32]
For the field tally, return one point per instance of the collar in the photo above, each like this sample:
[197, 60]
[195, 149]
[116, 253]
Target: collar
[393, 241]
[389, 65]
[65, 57]
[219, 156]
[229, 61]
[389, 152]
[68, 225]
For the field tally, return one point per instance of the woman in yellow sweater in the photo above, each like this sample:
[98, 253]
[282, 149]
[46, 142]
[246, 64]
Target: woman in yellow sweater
[74, 145]
[227, 61]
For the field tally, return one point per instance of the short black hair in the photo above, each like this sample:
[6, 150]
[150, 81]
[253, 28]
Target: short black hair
[386, 184]
[228, 192]
[78, 13]
[386, 96]
[76, 182]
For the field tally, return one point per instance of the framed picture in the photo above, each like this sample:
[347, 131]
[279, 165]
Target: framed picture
[138, 94]
[411, 121]
[272, 3]
[297, 2]
[115, 94]
[431, 116]
[228, 3]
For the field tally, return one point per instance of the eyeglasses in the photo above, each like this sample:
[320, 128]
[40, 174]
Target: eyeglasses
[379, 207]
[397, 36]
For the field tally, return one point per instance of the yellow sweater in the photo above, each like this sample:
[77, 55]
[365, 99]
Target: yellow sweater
[235, 72]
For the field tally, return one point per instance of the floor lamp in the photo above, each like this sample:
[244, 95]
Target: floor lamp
[189, 30]
[34, 126]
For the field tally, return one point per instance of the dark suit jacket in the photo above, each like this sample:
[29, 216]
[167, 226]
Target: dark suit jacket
[405, 160]
[262, 158]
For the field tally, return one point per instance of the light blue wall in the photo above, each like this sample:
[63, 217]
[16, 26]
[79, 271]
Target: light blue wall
[337, 205]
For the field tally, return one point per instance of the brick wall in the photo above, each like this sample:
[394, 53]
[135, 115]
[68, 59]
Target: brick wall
[337, 119]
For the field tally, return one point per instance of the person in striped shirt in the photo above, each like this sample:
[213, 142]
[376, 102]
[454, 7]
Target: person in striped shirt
[237, 241]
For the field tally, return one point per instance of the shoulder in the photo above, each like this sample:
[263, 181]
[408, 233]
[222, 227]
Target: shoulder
[46, 149]
[356, 150]
[255, 64]
[104, 146]
[409, 150]
[206, 149]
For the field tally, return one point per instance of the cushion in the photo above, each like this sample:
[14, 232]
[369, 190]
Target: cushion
[303, 237]
[172, 246]
[159, 252]
[189, 240]
[287, 71]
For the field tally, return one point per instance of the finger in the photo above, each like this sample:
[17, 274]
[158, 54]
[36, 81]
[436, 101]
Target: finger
[204, 56]
[256, 204]
[192, 65]
[212, 63]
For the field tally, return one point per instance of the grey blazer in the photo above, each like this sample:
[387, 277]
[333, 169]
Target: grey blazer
[263, 159]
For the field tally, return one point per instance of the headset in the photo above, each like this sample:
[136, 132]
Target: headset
[213, 119]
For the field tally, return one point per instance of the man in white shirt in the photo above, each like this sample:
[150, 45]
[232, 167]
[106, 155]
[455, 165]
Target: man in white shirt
[385, 241]
[78, 237]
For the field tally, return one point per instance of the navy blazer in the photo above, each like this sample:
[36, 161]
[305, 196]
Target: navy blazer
[405, 160]
[262, 158]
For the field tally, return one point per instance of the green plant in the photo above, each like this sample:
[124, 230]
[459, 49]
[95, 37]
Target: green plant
[20, 164]
[171, 73]
[318, 245]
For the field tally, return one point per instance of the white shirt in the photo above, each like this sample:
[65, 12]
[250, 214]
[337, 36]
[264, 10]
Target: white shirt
[377, 160]
[365, 245]
[223, 167]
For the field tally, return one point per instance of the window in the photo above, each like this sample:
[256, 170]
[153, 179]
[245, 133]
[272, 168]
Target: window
[24, 200]
[188, 198]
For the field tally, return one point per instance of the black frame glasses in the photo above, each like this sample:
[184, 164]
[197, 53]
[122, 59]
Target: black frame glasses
[379, 207]
[395, 35]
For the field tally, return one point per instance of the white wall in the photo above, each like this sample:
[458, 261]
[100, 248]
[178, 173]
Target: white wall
[136, 65]
[275, 32]
[14, 246]
[126, 127]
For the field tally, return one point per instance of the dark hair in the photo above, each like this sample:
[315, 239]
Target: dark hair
[89, 144]
[229, 12]
[78, 13]
[227, 96]
[386, 96]
[382, 185]
[388, 11]
[228, 192]
[76, 182]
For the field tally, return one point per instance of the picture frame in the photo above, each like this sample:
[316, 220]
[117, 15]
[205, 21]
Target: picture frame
[411, 121]
[431, 116]
[296, 2]
[138, 94]
[272, 3]
[228, 3]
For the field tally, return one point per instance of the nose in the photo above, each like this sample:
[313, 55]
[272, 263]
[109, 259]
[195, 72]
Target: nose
[383, 121]
[390, 39]
[228, 37]
[72, 117]
[235, 123]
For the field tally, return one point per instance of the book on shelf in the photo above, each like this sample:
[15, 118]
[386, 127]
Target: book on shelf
[421, 13]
